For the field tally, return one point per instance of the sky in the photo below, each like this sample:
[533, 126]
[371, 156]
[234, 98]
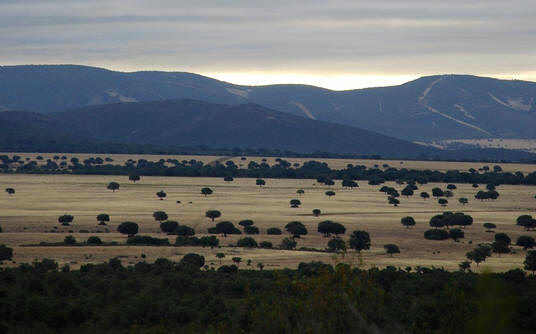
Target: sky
[337, 44]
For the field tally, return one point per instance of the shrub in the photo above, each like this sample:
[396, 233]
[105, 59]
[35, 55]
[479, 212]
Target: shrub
[93, 240]
[251, 230]
[436, 234]
[147, 240]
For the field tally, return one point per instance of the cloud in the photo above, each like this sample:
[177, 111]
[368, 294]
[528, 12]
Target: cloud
[336, 38]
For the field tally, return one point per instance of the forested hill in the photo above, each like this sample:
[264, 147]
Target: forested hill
[427, 109]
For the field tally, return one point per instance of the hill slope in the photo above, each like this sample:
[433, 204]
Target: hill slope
[427, 109]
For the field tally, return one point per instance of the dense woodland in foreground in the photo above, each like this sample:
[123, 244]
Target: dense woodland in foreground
[167, 297]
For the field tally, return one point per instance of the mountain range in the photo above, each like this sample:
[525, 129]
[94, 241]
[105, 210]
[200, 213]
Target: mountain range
[427, 109]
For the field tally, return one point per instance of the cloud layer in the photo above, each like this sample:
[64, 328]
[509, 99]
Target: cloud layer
[323, 38]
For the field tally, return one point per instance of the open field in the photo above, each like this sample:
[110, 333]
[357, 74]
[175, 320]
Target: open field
[512, 144]
[332, 163]
[27, 216]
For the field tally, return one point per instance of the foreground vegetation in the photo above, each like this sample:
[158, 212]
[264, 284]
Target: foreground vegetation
[183, 297]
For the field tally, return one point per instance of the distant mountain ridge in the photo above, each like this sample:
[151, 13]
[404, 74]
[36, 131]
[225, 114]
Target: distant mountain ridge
[427, 109]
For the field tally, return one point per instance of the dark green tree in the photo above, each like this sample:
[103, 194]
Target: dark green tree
[169, 226]
[260, 182]
[212, 214]
[113, 186]
[530, 261]
[360, 240]
[246, 222]
[296, 228]
[160, 216]
[103, 218]
[330, 193]
[161, 194]
[295, 203]
[316, 212]
[65, 220]
[336, 244]
[6, 253]
[128, 228]
[247, 242]
[391, 249]
[134, 177]
[273, 231]
[10, 191]
[329, 227]
[407, 221]
[525, 241]
[206, 191]
[288, 243]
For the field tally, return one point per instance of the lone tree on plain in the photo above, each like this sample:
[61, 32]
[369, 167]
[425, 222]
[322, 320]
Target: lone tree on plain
[295, 203]
[206, 191]
[530, 261]
[316, 212]
[442, 202]
[134, 177]
[300, 191]
[463, 200]
[212, 214]
[226, 228]
[407, 221]
[10, 191]
[260, 182]
[391, 249]
[360, 240]
[113, 186]
[220, 256]
[336, 244]
[103, 218]
[330, 193]
[161, 194]
[128, 228]
[246, 222]
[237, 260]
[526, 221]
[160, 216]
[185, 231]
[296, 228]
[456, 234]
[65, 220]
[424, 195]
[479, 254]
[489, 226]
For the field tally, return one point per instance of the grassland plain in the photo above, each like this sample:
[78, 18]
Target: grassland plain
[28, 217]
[332, 163]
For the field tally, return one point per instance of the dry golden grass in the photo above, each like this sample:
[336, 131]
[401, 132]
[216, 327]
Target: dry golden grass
[40, 199]
[513, 144]
[333, 163]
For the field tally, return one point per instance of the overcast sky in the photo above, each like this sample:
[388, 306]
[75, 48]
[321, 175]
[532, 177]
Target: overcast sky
[337, 44]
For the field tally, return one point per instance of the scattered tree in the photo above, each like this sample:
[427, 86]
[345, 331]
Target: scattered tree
[424, 195]
[489, 226]
[530, 261]
[94, 240]
[407, 221]
[206, 191]
[526, 221]
[300, 191]
[113, 186]
[128, 228]
[161, 194]
[193, 260]
[456, 234]
[6, 253]
[103, 218]
[228, 179]
[436, 234]
[246, 222]
[442, 202]
[212, 214]
[251, 230]
[479, 254]
[360, 240]
[330, 193]
[329, 227]
[134, 177]
[10, 191]
[160, 216]
[247, 242]
[295, 203]
[226, 228]
[525, 241]
[260, 182]
[69, 240]
[288, 243]
[273, 231]
[391, 249]
[336, 244]
[451, 186]
[316, 212]
[220, 256]
[185, 231]
[347, 183]
[65, 220]
[464, 265]
[169, 226]
[463, 200]
[296, 228]
[237, 260]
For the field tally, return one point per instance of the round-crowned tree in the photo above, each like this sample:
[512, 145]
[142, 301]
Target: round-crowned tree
[503, 237]
[246, 222]
[113, 186]
[128, 228]
[248, 242]
[407, 221]
[161, 195]
[206, 191]
[103, 218]
[226, 228]
[65, 220]
[451, 186]
[424, 195]
[526, 221]
[10, 191]
[525, 241]
[437, 192]
[442, 202]
[296, 228]
[360, 240]
[274, 231]
[500, 247]
[329, 227]
[212, 214]
[260, 182]
[295, 203]
[160, 216]
[336, 244]
[169, 226]
[391, 249]
[330, 193]
[316, 212]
